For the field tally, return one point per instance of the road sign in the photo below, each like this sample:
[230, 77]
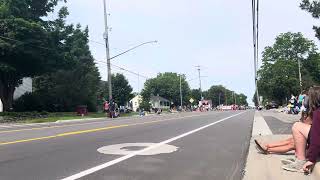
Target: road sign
[191, 100]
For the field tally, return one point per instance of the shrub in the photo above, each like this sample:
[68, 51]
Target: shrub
[28, 102]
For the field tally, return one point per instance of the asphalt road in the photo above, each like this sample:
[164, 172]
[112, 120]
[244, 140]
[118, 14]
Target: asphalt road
[206, 146]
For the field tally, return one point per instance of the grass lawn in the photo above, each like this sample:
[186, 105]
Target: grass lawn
[53, 117]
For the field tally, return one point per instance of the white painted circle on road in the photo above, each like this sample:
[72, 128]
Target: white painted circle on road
[127, 148]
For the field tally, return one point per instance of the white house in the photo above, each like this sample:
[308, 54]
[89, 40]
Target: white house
[25, 87]
[135, 102]
[159, 102]
[1, 106]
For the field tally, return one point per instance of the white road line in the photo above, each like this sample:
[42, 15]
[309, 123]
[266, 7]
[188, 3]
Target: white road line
[113, 162]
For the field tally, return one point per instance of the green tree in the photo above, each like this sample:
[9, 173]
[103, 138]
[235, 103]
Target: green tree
[78, 85]
[73, 79]
[217, 94]
[313, 63]
[254, 99]
[121, 89]
[221, 95]
[167, 85]
[242, 99]
[195, 94]
[313, 7]
[278, 76]
[26, 49]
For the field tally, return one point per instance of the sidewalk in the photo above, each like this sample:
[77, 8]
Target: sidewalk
[271, 126]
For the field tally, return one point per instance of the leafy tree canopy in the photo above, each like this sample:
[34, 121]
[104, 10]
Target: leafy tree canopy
[121, 89]
[26, 47]
[278, 76]
[167, 85]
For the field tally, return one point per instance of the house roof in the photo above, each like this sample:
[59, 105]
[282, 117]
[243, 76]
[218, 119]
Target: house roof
[138, 97]
[158, 98]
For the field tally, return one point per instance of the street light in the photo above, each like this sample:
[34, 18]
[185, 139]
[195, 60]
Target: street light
[180, 91]
[106, 37]
[135, 47]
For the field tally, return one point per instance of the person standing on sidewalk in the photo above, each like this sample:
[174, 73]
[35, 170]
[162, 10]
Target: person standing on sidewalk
[301, 98]
[106, 107]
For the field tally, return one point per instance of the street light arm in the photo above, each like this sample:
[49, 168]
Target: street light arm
[133, 48]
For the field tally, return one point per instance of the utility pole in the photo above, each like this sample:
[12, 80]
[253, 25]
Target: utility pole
[300, 79]
[180, 91]
[138, 83]
[198, 68]
[106, 37]
[234, 97]
[219, 98]
[255, 21]
[225, 96]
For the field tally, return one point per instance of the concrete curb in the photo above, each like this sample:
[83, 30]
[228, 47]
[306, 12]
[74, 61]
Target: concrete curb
[260, 127]
[316, 172]
[80, 120]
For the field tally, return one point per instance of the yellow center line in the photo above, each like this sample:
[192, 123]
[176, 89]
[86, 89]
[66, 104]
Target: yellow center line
[89, 131]
[52, 127]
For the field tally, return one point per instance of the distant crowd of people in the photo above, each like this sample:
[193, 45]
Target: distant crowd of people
[305, 139]
[297, 104]
[111, 109]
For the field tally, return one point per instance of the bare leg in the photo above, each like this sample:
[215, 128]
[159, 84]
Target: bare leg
[282, 149]
[300, 134]
[280, 143]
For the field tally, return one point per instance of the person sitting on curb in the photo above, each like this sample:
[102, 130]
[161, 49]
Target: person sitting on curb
[306, 135]
[286, 145]
[279, 147]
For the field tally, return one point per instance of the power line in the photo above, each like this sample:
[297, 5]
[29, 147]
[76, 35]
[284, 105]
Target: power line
[11, 39]
[15, 40]
[51, 49]
[121, 68]
[97, 42]
[188, 80]
[124, 69]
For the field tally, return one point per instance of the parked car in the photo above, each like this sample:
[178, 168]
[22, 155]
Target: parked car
[124, 109]
[272, 105]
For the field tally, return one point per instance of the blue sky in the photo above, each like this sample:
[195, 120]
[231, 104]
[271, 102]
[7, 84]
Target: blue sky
[215, 34]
